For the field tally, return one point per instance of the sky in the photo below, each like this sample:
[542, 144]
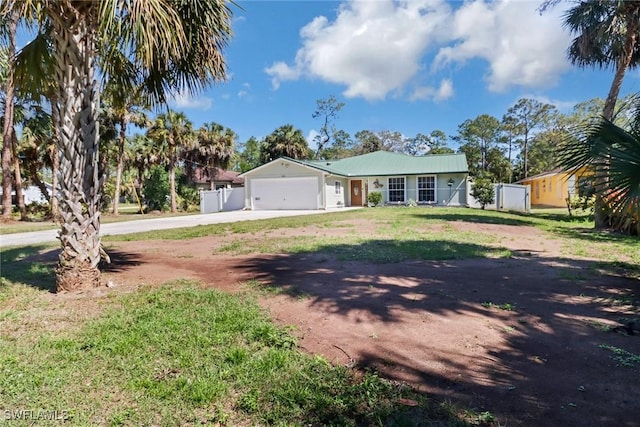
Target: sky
[411, 66]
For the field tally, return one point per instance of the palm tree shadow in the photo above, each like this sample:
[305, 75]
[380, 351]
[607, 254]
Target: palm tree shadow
[34, 265]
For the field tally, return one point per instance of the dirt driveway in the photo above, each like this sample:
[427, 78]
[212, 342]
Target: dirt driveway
[534, 339]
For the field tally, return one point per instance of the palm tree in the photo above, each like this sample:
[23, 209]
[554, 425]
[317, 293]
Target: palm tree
[123, 109]
[170, 132]
[284, 141]
[214, 148]
[622, 146]
[607, 35]
[11, 21]
[174, 44]
[35, 78]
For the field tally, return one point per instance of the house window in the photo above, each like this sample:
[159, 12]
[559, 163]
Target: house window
[426, 189]
[396, 190]
[338, 188]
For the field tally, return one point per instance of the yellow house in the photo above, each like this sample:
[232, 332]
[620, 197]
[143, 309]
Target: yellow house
[551, 189]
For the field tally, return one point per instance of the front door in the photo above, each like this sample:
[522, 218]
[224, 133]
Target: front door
[356, 193]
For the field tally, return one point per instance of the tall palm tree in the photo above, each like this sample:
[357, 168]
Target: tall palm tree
[284, 141]
[607, 35]
[10, 23]
[622, 146]
[124, 108]
[170, 132]
[175, 45]
[214, 148]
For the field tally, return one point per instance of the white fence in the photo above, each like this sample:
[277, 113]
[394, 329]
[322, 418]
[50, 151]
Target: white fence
[225, 199]
[508, 197]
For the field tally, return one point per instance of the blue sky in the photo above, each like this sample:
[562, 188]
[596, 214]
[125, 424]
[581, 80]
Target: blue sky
[409, 66]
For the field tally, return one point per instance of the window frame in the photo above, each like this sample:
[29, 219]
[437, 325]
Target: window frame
[396, 190]
[337, 188]
[434, 188]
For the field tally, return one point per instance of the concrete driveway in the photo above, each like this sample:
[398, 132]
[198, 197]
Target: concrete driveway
[137, 226]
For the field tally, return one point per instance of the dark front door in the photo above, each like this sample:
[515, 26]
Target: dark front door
[356, 193]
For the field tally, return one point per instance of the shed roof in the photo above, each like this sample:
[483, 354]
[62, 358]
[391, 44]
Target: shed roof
[385, 163]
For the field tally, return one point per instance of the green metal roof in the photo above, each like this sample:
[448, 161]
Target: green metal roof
[381, 163]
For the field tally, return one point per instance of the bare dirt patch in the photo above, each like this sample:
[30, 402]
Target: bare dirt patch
[523, 338]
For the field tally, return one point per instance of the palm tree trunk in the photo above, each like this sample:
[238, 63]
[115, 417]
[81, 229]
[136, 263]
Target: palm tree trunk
[172, 179]
[7, 131]
[55, 161]
[74, 28]
[120, 166]
[18, 177]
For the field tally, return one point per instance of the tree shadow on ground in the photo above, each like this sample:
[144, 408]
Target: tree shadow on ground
[34, 265]
[474, 216]
[527, 338]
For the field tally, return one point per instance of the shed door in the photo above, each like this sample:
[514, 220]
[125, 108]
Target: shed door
[284, 193]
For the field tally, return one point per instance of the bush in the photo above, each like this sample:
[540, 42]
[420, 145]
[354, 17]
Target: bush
[374, 198]
[482, 190]
[156, 189]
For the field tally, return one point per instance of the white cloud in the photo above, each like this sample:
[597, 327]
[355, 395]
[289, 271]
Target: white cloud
[377, 48]
[186, 102]
[441, 93]
[559, 104]
[280, 72]
[372, 47]
[522, 47]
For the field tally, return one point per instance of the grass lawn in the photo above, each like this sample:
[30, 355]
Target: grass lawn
[182, 354]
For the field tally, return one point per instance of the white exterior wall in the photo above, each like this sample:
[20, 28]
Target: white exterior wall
[284, 169]
[444, 194]
[336, 200]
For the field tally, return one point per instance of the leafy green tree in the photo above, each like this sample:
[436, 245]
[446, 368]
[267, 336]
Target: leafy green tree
[433, 143]
[482, 190]
[367, 142]
[327, 111]
[476, 137]
[342, 146]
[174, 44]
[248, 155]
[171, 132]
[528, 117]
[284, 141]
[157, 189]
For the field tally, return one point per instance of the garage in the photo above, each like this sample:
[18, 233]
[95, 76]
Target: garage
[284, 193]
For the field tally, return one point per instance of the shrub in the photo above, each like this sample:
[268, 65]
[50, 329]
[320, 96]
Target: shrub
[156, 189]
[482, 190]
[374, 198]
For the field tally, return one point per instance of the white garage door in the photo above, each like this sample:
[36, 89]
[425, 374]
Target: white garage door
[284, 193]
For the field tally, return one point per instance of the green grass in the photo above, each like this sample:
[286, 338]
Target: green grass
[623, 357]
[180, 354]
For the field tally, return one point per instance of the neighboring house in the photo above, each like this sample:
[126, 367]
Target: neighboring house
[202, 178]
[551, 189]
[31, 194]
[306, 184]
